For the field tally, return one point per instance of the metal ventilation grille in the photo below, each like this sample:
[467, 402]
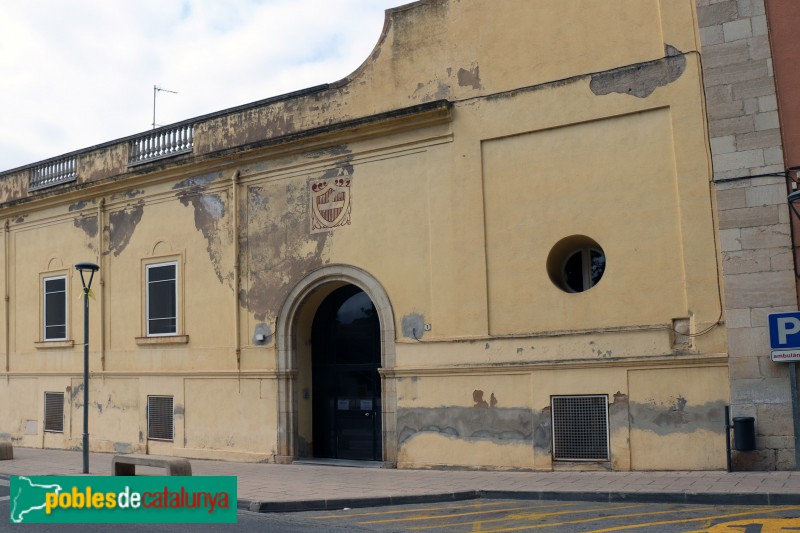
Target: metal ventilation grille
[54, 412]
[580, 428]
[159, 418]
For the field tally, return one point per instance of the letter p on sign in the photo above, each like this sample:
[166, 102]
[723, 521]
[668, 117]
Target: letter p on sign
[784, 330]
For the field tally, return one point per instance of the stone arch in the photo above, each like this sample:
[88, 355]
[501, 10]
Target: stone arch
[328, 278]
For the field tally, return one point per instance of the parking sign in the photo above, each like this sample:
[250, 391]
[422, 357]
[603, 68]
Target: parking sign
[784, 336]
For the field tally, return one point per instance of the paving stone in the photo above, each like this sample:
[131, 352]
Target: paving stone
[761, 195]
[736, 73]
[776, 236]
[766, 215]
[716, 13]
[731, 126]
[737, 318]
[767, 121]
[730, 240]
[758, 139]
[746, 261]
[736, 30]
[731, 199]
[758, 86]
[748, 343]
[725, 53]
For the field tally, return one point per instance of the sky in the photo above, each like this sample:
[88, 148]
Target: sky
[75, 73]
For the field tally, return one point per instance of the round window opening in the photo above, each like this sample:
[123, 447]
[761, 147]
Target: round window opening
[576, 263]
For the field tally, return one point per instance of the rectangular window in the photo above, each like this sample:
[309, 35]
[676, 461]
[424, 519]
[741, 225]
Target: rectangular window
[162, 299]
[160, 418]
[54, 412]
[55, 308]
[580, 428]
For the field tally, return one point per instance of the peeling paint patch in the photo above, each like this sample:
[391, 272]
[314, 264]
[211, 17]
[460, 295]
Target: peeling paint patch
[542, 432]
[642, 79]
[87, 224]
[677, 416]
[502, 425]
[470, 78]
[133, 193]
[75, 394]
[413, 326]
[209, 219]
[77, 206]
[332, 151]
[121, 225]
[122, 447]
[198, 181]
[281, 249]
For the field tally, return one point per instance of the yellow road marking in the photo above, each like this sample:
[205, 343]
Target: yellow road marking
[435, 517]
[768, 525]
[766, 510]
[470, 506]
[586, 520]
[528, 508]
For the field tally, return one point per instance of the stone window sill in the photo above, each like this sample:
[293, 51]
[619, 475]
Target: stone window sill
[46, 345]
[170, 339]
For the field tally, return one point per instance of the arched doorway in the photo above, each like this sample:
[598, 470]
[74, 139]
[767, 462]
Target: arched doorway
[294, 360]
[346, 355]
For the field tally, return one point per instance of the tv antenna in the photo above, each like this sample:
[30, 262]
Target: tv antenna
[156, 90]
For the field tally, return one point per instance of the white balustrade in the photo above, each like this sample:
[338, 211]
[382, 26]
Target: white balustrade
[162, 143]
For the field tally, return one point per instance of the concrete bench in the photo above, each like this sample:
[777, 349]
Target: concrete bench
[6, 451]
[125, 465]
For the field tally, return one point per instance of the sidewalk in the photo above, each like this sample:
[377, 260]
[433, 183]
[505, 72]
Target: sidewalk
[277, 488]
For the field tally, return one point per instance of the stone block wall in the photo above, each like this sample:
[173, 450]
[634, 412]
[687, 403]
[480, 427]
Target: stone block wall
[753, 217]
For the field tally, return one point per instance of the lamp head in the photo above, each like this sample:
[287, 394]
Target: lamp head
[86, 267]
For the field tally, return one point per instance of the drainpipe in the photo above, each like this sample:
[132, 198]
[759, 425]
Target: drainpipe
[236, 326]
[6, 236]
[100, 209]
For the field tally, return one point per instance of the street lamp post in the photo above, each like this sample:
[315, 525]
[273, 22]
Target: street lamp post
[83, 268]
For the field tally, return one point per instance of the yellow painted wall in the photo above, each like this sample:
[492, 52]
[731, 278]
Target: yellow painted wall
[563, 119]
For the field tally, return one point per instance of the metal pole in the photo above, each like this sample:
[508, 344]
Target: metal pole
[795, 414]
[155, 90]
[728, 436]
[85, 380]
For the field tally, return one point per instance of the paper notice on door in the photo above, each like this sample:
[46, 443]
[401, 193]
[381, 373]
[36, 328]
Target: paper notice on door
[343, 405]
[366, 405]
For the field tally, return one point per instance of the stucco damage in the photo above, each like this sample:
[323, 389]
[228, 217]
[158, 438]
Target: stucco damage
[280, 248]
[641, 79]
[120, 227]
[483, 421]
[210, 220]
[677, 415]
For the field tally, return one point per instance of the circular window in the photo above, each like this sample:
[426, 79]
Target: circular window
[576, 263]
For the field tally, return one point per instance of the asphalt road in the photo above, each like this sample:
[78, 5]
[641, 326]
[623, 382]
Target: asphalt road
[479, 515]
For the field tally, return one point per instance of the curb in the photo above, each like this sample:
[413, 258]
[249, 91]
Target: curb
[352, 503]
[704, 498]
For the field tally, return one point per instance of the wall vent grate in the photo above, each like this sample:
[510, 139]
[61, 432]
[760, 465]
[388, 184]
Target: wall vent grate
[54, 412]
[580, 428]
[160, 418]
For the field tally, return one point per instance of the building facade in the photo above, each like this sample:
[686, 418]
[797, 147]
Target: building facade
[494, 245]
[750, 68]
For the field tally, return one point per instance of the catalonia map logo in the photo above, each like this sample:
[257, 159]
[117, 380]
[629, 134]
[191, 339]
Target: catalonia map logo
[110, 499]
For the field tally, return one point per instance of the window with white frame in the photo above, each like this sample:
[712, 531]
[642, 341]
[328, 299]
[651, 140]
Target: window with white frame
[162, 299]
[54, 308]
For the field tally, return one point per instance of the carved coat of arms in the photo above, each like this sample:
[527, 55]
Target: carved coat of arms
[330, 203]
